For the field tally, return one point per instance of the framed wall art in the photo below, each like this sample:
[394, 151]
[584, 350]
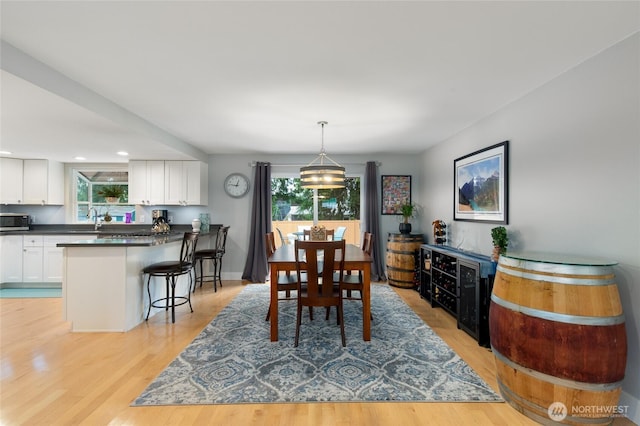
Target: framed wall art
[396, 191]
[481, 185]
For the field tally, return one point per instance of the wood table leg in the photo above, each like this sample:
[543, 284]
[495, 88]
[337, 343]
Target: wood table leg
[273, 316]
[366, 302]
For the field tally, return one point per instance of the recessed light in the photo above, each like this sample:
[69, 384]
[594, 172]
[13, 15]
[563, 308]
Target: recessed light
[123, 153]
[5, 152]
[79, 158]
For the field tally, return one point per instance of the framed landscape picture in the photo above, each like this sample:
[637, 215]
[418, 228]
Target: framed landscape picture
[481, 185]
[396, 191]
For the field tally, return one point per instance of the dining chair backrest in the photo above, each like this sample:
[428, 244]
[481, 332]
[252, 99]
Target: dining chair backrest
[367, 243]
[318, 260]
[269, 243]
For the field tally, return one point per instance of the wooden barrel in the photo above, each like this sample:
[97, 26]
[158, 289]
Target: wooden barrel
[558, 336]
[401, 259]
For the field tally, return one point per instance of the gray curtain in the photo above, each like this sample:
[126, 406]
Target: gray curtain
[372, 219]
[256, 267]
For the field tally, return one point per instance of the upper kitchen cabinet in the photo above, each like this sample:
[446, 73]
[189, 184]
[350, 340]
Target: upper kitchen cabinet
[43, 182]
[146, 182]
[38, 182]
[186, 183]
[10, 181]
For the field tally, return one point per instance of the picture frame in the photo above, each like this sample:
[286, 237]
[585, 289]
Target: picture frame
[481, 190]
[396, 191]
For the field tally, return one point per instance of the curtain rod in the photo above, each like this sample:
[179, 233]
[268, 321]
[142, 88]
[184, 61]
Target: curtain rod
[253, 164]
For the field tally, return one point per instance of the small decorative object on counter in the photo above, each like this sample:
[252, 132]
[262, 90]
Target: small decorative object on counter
[196, 225]
[439, 231]
[160, 225]
[500, 242]
[107, 217]
[205, 222]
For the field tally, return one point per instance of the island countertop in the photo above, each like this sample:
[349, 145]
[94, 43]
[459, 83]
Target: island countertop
[124, 240]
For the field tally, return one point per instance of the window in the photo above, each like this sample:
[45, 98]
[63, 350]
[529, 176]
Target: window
[292, 202]
[294, 207]
[90, 192]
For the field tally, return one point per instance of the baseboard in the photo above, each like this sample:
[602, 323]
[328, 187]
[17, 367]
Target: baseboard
[632, 406]
[30, 285]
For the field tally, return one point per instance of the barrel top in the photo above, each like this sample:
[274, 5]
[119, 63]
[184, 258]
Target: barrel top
[559, 258]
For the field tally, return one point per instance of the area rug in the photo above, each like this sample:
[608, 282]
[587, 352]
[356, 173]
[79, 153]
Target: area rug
[233, 361]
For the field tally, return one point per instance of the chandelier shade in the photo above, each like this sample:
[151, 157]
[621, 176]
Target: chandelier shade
[321, 175]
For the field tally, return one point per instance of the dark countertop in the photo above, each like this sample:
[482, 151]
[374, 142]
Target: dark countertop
[125, 241]
[111, 235]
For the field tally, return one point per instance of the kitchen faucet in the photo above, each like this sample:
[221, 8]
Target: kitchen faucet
[96, 218]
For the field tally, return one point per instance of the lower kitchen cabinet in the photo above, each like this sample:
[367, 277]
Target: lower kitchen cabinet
[10, 258]
[33, 258]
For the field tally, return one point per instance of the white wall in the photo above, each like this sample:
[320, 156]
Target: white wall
[574, 181]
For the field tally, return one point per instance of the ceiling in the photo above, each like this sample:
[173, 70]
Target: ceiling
[182, 79]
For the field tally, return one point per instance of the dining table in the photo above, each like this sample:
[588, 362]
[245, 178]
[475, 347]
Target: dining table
[283, 259]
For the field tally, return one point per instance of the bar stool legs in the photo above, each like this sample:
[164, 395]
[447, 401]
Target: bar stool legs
[170, 299]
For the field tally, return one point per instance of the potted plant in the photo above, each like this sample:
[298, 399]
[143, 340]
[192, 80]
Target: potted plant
[112, 193]
[500, 242]
[407, 210]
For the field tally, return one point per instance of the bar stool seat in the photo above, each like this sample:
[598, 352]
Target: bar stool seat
[215, 255]
[171, 270]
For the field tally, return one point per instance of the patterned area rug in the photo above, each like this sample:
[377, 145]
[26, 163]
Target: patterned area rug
[233, 361]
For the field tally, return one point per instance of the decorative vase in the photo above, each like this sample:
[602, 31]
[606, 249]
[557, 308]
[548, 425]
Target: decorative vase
[495, 255]
[112, 200]
[204, 220]
[405, 228]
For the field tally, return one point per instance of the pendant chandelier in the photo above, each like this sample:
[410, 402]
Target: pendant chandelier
[321, 175]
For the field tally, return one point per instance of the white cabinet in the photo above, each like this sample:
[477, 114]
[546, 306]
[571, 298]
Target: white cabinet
[52, 257]
[10, 258]
[146, 182]
[32, 259]
[10, 181]
[37, 182]
[43, 182]
[186, 183]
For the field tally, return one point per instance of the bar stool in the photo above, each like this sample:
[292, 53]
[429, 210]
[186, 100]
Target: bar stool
[215, 255]
[171, 270]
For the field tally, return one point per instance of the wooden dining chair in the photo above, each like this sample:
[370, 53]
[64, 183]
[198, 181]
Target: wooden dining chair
[319, 270]
[354, 282]
[286, 282]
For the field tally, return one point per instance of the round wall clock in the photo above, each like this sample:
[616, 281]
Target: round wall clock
[236, 185]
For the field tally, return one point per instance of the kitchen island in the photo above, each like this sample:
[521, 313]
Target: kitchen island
[103, 288]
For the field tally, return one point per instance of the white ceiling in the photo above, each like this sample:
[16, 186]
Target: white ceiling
[256, 77]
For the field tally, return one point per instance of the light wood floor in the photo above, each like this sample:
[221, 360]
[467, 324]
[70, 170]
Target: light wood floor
[50, 376]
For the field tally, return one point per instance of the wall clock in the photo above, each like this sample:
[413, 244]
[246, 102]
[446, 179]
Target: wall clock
[236, 185]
